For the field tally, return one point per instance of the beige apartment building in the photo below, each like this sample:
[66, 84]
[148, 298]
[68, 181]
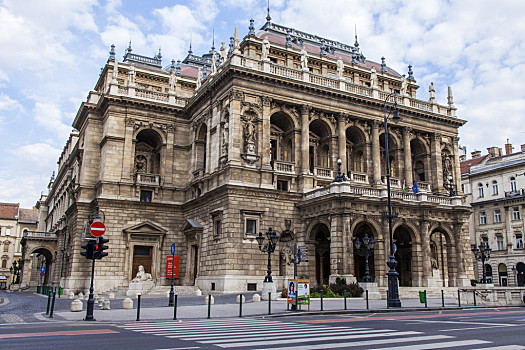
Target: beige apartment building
[494, 185]
[208, 152]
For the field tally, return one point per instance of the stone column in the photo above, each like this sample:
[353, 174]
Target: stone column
[408, 156]
[376, 154]
[456, 165]
[129, 150]
[341, 140]
[235, 145]
[437, 167]
[265, 137]
[425, 247]
[168, 157]
[305, 138]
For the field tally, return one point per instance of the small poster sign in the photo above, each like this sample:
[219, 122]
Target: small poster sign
[298, 293]
[170, 267]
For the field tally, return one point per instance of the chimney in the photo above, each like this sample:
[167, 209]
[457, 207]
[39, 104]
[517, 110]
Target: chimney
[494, 152]
[508, 147]
[475, 154]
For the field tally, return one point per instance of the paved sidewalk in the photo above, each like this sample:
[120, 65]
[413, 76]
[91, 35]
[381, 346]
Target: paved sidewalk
[231, 309]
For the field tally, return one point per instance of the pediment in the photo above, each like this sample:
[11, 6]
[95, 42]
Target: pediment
[191, 225]
[146, 228]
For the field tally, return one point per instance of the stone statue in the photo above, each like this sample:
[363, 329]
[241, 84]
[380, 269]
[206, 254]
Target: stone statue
[115, 71]
[199, 78]
[140, 164]
[142, 275]
[225, 135]
[173, 81]
[287, 254]
[340, 67]
[434, 263]
[265, 49]
[249, 136]
[213, 62]
[432, 92]
[304, 59]
[131, 75]
[223, 52]
[404, 85]
[373, 77]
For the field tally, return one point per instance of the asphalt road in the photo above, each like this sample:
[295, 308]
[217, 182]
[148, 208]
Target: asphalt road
[501, 329]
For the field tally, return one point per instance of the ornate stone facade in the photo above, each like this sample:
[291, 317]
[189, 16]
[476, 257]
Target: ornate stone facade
[206, 161]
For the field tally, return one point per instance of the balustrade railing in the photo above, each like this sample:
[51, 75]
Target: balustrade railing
[359, 177]
[147, 179]
[322, 80]
[324, 172]
[284, 167]
[152, 95]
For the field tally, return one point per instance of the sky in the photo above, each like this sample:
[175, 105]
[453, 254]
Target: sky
[52, 52]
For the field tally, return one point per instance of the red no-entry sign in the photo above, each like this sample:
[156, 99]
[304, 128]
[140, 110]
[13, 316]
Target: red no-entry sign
[97, 228]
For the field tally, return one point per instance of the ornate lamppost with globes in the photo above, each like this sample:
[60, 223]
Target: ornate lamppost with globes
[482, 252]
[393, 289]
[269, 247]
[365, 247]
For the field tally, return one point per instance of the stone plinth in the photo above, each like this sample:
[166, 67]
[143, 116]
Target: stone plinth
[127, 303]
[373, 290]
[142, 287]
[269, 287]
[76, 305]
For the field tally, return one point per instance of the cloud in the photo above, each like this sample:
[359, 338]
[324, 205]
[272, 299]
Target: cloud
[50, 116]
[39, 155]
[7, 103]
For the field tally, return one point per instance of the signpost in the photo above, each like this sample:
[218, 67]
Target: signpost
[172, 296]
[170, 271]
[97, 228]
[42, 271]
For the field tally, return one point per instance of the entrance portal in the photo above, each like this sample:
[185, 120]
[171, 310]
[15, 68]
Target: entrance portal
[322, 253]
[141, 256]
[403, 256]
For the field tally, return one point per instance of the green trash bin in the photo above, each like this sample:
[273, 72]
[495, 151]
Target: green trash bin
[60, 289]
[422, 297]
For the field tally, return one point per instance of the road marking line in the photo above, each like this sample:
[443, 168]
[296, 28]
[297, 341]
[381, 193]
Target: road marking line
[304, 339]
[361, 343]
[451, 344]
[503, 347]
[462, 322]
[52, 334]
[472, 328]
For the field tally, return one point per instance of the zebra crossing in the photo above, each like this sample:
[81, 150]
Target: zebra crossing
[266, 334]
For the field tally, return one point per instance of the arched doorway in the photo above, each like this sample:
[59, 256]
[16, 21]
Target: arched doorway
[488, 271]
[520, 274]
[360, 261]
[439, 257]
[41, 258]
[321, 235]
[403, 255]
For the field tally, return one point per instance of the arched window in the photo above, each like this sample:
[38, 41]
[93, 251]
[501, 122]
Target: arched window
[503, 276]
[148, 147]
[480, 190]
[488, 271]
[494, 188]
[513, 184]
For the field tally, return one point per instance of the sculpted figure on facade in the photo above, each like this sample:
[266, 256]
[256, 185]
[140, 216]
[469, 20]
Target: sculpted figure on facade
[249, 135]
[404, 85]
[131, 75]
[142, 275]
[225, 136]
[173, 81]
[140, 164]
[223, 52]
[265, 49]
[115, 71]
[373, 77]
[432, 92]
[304, 59]
[340, 68]
[199, 78]
[213, 62]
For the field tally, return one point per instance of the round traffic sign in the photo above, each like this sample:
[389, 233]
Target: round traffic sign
[97, 228]
[173, 249]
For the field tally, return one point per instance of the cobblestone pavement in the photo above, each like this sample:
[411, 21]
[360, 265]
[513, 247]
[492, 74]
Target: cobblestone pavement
[21, 307]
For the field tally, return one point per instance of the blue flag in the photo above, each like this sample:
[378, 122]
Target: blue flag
[415, 189]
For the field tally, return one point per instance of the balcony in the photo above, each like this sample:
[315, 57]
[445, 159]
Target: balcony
[284, 167]
[326, 173]
[361, 178]
[520, 192]
[147, 179]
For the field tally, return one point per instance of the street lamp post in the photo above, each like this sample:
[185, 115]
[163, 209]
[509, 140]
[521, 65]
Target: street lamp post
[451, 193]
[365, 247]
[393, 289]
[340, 176]
[268, 247]
[482, 252]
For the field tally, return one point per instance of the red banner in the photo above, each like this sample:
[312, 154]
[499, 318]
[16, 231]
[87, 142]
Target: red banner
[169, 267]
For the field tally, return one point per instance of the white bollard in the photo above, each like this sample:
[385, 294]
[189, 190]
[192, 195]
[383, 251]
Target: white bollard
[76, 305]
[256, 298]
[127, 303]
[212, 300]
[71, 295]
[111, 296]
[106, 305]
[80, 295]
[198, 292]
[239, 299]
[100, 302]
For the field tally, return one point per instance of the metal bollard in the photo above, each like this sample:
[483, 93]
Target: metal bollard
[344, 295]
[459, 298]
[175, 308]
[474, 292]
[387, 303]
[269, 303]
[425, 294]
[367, 306]
[209, 305]
[321, 300]
[52, 305]
[240, 305]
[442, 298]
[138, 307]
[48, 302]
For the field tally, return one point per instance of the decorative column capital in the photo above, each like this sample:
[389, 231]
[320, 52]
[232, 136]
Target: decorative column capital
[305, 109]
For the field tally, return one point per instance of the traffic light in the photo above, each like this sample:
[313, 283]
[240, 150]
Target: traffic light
[99, 252]
[90, 249]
